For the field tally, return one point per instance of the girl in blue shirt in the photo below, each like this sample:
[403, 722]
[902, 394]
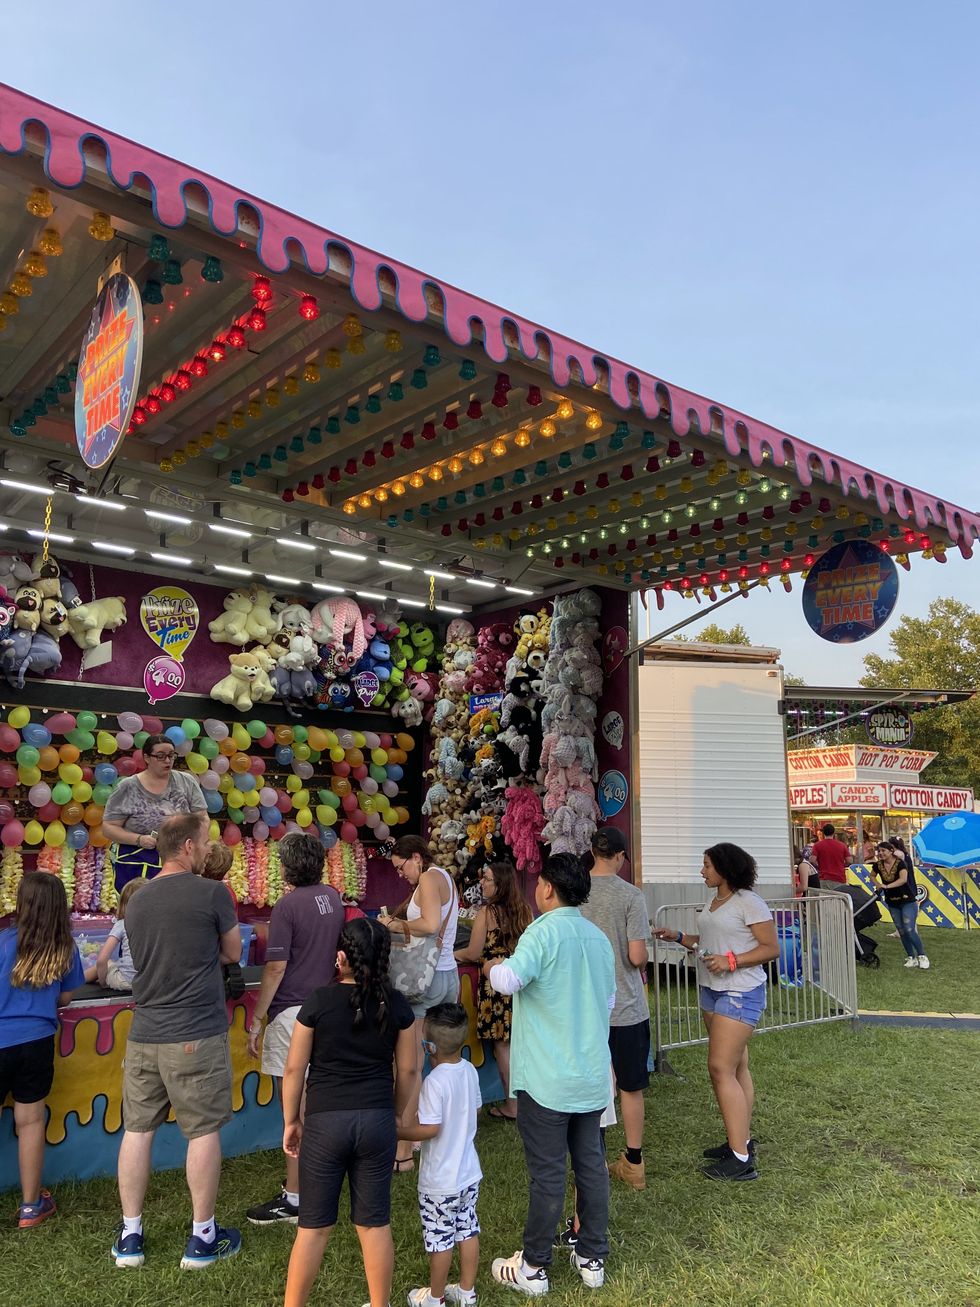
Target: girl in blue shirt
[39, 969]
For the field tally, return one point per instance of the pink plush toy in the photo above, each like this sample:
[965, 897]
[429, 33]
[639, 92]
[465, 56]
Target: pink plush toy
[521, 826]
[333, 619]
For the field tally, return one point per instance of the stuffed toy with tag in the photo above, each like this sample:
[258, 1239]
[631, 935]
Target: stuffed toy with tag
[88, 621]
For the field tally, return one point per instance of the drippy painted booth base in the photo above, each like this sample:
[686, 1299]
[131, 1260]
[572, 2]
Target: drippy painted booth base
[85, 1103]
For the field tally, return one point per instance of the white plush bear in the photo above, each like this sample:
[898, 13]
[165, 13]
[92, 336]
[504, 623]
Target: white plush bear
[231, 626]
[245, 683]
[88, 621]
[261, 624]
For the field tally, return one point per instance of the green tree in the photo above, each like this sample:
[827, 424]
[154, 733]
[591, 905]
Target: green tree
[715, 634]
[938, 652]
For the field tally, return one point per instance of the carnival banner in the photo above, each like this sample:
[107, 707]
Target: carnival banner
[109, 366]
[850, 592]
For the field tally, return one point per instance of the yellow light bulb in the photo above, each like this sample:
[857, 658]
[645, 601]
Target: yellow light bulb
[350, 507]
[571, 518]
[513, 534]
[614, 505]
[566, 409]
[34, 264]
[522, 438]
[254, 408]
[311, 374]
[356, 345]
[50, 243]
[551, 524]
[636, 499]
[741, 540]
[221, 430]
[455, 465]
[381, 495]
[765, 534]
[497, 540]
[477, 457]
[352, 326]
[603, 569]
[332, 358]
[398, 488]
[660, 491]
[207, 440]
[592, 512]
[499, 448]
[435, 472]
[744, 478]
[237, 419]
[686, 486]
[416, 480]
[593, 421]
[193, 449]
[547, 428]
[842, 514]
[166, 465]
[179, 458]
[272, 397]
[39, 203]
[816, 524]
[364, 501]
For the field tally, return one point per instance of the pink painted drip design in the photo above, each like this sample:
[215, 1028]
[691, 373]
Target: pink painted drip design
[284, 238]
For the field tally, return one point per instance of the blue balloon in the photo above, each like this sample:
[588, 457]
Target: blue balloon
[77, 836]
[271, 816]
[214, 800]
[245, 781]
[176, 736]
[106, 774]
[284, 755]
[395, 773]
[36, 735]
[328, 836]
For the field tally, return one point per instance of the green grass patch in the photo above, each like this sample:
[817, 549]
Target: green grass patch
[870, 1159]
[950, 985]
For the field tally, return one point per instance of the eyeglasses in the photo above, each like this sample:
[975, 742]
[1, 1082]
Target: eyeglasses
[163, 757]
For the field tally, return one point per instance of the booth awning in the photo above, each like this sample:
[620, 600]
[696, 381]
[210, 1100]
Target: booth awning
[312, 395]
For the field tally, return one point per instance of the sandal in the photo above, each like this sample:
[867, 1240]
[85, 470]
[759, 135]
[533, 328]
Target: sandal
[403, 1164]
[495, 1114]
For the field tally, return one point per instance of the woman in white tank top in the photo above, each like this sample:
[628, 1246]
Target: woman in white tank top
[433, 907]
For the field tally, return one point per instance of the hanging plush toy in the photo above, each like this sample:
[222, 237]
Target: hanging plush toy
[88, 621]
[231, 626]
[334, 619]
[260, 624]
[246, 684]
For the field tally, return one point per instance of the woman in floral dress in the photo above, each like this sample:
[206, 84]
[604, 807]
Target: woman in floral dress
[497, 927]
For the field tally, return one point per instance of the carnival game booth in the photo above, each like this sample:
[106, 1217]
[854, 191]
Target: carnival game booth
[872, 792]
[244, 458]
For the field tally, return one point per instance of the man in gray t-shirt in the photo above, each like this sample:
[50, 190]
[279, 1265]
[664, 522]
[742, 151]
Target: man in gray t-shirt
[619, 909]
[177, 1054]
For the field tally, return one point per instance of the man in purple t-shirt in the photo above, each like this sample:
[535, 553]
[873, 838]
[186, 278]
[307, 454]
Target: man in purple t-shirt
[300, 956]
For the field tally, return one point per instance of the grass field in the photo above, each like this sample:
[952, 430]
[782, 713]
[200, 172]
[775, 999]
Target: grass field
[952, 983]
[870, 1160]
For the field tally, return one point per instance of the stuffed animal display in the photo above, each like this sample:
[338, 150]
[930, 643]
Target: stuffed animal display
[46, 607]
[449, 791]
[572, 682]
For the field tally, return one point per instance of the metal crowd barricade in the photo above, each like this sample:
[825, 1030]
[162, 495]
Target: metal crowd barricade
[813, 981]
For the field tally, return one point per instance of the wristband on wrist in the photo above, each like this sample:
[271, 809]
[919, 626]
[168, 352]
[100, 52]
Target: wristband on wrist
[680, 937]
[732, 960]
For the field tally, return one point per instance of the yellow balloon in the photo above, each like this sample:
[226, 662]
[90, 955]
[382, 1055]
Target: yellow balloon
[197, 764]
[225, 784]
[28, 775]
[326, 815]
[293, 783]
[332, 739]
[54, 835]
[304, 817]
[106, 743]
[81, 792]
[359, 740]
[70, 773]
[336, 753]
[235, 798]
[214, 831]
[301, 799]
[33, 832]
[317, 738]
[19, 717]
[379, 757]
[241, 736]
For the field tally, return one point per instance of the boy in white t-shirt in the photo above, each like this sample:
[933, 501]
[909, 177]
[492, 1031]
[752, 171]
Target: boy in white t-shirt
[449, 1174]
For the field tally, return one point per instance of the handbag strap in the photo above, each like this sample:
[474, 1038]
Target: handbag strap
[449, 907]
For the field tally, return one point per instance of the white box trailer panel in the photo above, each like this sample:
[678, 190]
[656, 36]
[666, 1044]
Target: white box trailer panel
[712, 767]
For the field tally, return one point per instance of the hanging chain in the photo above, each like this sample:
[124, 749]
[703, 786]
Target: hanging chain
[47, 527]
[91, 579]
[432, 591]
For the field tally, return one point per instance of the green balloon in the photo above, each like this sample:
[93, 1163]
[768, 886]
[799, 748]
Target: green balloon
[256, 729]
[328, 797]
[377, 773]
[208, 748]
[82, 739]
[236, 815]
[191, 728]
[315, 755]
[300, 734]
[140, 738]
[100, 794]
[27, 756]
[61, 793]
[86, 721]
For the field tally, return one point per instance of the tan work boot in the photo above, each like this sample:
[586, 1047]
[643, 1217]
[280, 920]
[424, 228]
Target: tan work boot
[631, 1173]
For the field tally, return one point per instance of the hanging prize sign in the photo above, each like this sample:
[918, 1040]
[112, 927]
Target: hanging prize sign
[850, 592]
[163, 677]
[613, 729]
[109, 367]
[889, 727]
[366, 686]
[170, 618]
[613, 791]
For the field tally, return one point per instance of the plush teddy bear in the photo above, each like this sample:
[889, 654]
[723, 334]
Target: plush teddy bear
[260, 623]
[87, 621]
[245, 683]
[46, 576]
[408, 711]
[231, 626]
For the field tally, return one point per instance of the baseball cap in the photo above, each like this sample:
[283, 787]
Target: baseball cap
[608, 841]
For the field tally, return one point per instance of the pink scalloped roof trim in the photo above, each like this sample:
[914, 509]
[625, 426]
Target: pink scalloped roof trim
[284, 238]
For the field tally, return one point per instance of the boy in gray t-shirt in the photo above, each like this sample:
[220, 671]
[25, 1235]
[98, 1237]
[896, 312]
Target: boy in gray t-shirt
[619, 909]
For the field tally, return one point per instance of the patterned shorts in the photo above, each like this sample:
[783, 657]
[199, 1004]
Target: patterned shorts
[448, 1219]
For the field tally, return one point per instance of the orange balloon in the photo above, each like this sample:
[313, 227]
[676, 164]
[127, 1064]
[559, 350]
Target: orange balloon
[72, 814]
[402, 815]
[228, 747]
[68, 753]
[93, 815]
[355, 757]
[340, 785]
[404, 742]
[240, 763]
[397, 755]
[48, 758]
[283, 734]
[97, 839]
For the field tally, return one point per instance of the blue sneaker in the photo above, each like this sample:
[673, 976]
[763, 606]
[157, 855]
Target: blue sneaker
[127, 1250]
[198, 1254]
[31, 1214]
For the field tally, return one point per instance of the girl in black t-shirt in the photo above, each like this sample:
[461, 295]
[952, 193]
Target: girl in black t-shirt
[895, 879]
[346, 1036]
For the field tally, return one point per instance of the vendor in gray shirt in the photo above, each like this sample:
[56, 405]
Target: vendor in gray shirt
[139, 804]
[619, 909]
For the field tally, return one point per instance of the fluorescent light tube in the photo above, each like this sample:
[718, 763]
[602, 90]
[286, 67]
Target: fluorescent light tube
[371, 594]
[399, 567]
[91, 502]
[110, 548]
[328, 589]
[447, 608]
[412, 603]
[232, 571]
[487, 585]
[175, 518]
[440, 576]
[346, 553]
[56, 536]
[519, 590]
[295, 544]
[24, 485]
[282, 580]
[229, 530]
[180, 559]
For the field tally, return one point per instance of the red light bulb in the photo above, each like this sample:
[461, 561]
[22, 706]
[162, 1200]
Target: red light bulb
[534, 396]
[167, 393]
[256, 320]
[153, 404]
[236, 338]
[451, 420]
[139, 415]
[474, 409]
[763, 569]
[261, 290]
[199, 367]
[217, 352]
[308, 308]
[183, 380]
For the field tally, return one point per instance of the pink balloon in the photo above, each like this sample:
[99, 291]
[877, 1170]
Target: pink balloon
[374, 819]
[386, 741]
[389, 788]
[348, 832]
[8, 775]
[124, 740]
[231, 835]
[12, 834]
[284, 803]
[267, 796]
[153, 725]
[371, 740]
[260, 831]
[360, 773]
[128, 721]
[277, 832]
[257, 766]
[268, 740]
[381, 832]
[293, 828]
[302, 769]
[220, 764]
[60, 723]
[341, 768]
[358, 818]
[126, 767]
[9, 739]
[39, 794]
[349, 803]
[49, 812]
[88, 774]
[6, 811]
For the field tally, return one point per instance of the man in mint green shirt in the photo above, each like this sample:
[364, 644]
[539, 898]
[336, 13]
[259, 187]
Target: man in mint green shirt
[563, 978]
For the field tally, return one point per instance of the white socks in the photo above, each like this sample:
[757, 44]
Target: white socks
[205, 1230]
[132, 1225]
[291, 1198]
[742, 1157]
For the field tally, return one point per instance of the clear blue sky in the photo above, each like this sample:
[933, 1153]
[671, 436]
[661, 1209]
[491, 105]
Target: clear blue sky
[775, 205]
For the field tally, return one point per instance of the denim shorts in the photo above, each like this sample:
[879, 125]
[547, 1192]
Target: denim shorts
[745, 1005]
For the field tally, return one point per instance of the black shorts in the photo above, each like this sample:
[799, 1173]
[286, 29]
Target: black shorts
[360, 1146]
[27, 1070]
[630, 1049]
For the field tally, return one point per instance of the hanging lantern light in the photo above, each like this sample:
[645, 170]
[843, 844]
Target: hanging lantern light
[212, 271]
[309, 310]
[547, 428]
[261, 290]
[39, 204]
[101, 228]
[393, 341]
[593, 420]
[218, 351]
[256, 320]
[522, 438]
[311, 374]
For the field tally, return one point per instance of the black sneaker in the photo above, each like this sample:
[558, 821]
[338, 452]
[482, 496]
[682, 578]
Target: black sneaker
[273, 1212]
[723, 1150]
[568, 1237]
[730, 1168]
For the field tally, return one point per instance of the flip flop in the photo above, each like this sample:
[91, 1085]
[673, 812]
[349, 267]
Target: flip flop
[403, 1164]
[495, 1114]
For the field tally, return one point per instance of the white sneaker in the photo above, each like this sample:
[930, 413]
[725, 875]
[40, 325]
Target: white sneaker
[924, 962]
[464, 1297]
[591, 1269]
[913, 962]
[512, 1272]
[422, 1298]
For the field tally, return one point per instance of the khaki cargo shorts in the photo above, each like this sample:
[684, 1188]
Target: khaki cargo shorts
[193, 1078]
[276, 1041]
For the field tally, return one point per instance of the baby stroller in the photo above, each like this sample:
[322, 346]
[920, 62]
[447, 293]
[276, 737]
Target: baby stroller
[866, 913]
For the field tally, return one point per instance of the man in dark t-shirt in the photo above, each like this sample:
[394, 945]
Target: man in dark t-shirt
[181, 930]
[300, 956]
[831, 856]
